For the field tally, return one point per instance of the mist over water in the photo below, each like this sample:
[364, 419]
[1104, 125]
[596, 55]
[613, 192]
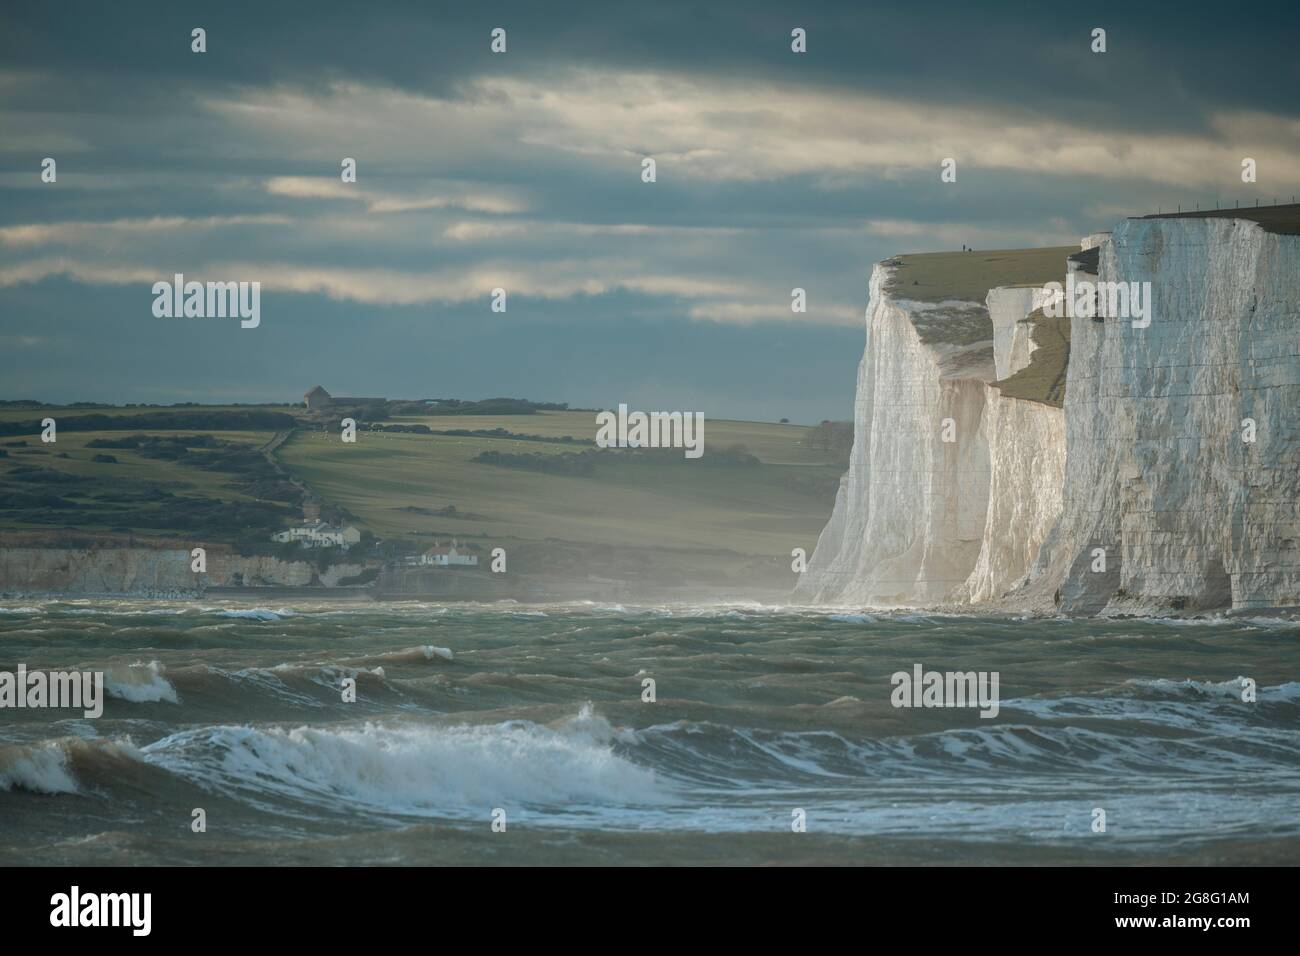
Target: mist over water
[537, 710]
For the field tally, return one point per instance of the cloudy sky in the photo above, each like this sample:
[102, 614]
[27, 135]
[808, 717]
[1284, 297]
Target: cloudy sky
[523, 170]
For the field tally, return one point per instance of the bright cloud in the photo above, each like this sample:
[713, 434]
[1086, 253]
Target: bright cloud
[718, 130]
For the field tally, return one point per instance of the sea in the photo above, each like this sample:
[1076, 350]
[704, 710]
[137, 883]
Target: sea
[342, 734]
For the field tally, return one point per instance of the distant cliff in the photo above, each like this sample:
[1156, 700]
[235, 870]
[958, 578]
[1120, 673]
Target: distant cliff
[149, 572]
[1083, 464]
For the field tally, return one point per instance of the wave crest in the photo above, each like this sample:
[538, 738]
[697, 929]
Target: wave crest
[140, 683]
[415, 768]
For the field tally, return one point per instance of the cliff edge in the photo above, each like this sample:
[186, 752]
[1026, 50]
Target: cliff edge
[1088, 464]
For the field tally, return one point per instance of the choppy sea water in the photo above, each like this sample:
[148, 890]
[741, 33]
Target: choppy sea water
[537, 711]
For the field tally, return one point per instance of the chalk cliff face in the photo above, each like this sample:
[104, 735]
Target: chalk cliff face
[910, 513]
[1026, 456]
[1145, 465]
[148, 572]
[1007, 307]
[1158, 474]
[1027, 462]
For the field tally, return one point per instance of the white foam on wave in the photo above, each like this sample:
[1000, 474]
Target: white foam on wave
[39, 769]
[1201, 707]
[1271, 622]
[258, 613]
[416, 768]
[140, 683]
[267, 680]
[330, 675]
[1230, 689]
[1222, 620]
[123, 609]
[851, 618]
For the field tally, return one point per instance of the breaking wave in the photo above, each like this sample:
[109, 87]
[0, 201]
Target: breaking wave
[62, 765]
[38, 769]
[414, 768]
[140, 683]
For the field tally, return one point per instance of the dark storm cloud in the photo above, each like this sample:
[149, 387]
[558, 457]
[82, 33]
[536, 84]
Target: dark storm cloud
[1167, 63]
[776, 171]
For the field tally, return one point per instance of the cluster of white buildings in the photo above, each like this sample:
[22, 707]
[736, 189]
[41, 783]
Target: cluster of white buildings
[318, 534]
[443, 557]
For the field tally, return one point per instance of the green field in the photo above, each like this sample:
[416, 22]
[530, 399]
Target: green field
[758, 511]
[662, 517]
[58, 487]
[771, 442]
[22, 413]
[131, 467]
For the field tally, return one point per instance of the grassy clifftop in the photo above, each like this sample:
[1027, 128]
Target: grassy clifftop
[1043, 379]
[968, 276]
[1282, 219]
[954, 286]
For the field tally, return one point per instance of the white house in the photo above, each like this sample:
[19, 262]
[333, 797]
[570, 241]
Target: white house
[446, 557]
[320, 535]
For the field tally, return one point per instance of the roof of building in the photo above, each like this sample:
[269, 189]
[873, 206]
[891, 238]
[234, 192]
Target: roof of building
[316, 391]
[324, 527]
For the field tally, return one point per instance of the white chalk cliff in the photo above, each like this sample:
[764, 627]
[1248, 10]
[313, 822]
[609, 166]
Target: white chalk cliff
[1142, 493]
[910, 512]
